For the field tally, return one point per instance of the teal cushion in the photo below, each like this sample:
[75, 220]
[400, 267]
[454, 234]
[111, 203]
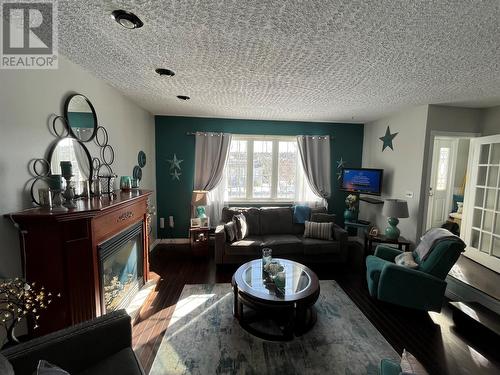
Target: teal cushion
[388, 367]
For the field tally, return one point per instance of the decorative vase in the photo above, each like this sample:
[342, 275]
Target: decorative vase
[350, 215]
[392, 231]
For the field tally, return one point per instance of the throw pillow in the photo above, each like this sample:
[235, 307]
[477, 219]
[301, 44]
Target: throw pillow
[409, 364]
[5, 366]
[241, 226]
[321, 231]
[323, 218]
[301, 214]
[406, 260]
[46, 368]
[230, 229]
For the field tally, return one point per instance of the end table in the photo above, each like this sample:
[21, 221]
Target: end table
[198, 238]
[370, 240]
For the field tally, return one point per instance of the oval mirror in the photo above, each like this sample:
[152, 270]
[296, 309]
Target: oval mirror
[70, 149]
[81, 117]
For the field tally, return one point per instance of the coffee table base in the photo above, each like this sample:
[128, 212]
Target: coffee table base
[290, 320]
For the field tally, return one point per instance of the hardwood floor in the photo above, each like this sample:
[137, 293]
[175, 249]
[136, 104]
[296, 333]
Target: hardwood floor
[431, 337]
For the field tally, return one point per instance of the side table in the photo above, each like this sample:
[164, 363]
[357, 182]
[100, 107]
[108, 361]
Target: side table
[370, 240]
[198, 239]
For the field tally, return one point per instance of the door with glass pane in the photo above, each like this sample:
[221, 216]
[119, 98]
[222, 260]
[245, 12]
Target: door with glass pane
[440, 191]
[482, 214]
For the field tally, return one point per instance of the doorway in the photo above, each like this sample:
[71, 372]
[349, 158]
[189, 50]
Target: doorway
[449, 170]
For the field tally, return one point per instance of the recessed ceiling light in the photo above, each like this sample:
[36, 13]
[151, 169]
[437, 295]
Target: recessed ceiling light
[165, 72]
[183, 97]
[126, 19]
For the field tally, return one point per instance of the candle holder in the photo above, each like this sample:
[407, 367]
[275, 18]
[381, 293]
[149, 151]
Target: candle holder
[69, 193]
[57, 200]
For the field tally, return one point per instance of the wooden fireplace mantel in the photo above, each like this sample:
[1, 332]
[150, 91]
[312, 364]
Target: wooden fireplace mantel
[60, 252]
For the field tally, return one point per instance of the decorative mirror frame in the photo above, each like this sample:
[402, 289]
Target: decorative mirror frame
[40, 168]
[68, 124]
[87, 153]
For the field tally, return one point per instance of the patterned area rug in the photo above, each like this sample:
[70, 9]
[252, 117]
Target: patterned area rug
[204, 338]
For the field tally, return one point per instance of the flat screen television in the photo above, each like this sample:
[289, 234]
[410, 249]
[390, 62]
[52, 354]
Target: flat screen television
[362, 180]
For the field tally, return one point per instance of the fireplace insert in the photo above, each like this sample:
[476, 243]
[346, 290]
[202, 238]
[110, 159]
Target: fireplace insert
[121, 268]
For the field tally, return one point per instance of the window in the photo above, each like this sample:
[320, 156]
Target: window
[265, 168]
[442, 177]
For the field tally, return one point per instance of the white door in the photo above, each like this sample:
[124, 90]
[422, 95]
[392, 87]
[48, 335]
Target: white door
[481, 219]
[440, 191]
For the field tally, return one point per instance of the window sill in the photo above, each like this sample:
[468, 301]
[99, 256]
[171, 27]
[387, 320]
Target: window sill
[259, 202]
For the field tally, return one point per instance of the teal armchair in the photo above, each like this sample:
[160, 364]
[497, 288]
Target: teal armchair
[422, 288]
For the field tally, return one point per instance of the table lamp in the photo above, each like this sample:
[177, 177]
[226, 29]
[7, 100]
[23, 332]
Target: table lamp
[394, 209]
[199, 201]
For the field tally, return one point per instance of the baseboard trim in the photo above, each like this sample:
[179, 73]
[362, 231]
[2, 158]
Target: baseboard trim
[460, 291]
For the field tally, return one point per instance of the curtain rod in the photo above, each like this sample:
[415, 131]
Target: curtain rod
[269, 135]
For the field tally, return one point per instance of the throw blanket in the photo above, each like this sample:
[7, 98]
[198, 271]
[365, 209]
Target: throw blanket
[431, 238]
[301, 214]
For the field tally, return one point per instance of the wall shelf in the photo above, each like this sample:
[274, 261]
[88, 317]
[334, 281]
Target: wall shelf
[371, 200]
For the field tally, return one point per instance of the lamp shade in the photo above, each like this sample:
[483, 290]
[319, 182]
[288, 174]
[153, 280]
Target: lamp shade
[199, 198]
[395, 208]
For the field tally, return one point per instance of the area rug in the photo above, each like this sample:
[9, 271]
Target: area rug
[204, 338]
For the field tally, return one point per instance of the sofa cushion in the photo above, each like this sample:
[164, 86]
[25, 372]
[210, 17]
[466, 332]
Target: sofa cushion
[252, 245]
[276, 220]
[282, 244]
[230, 229]
[123, 362]
[323, 218]
[241, 226]
[253, 220]
[313, 246]
[252, 215]
[228, 213]
[322, 231]
[46, 368]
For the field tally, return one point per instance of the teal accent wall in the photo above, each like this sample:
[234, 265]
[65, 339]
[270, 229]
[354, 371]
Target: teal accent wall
[174, 197]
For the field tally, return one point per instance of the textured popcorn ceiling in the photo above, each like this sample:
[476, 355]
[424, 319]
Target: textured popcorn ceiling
[291, 60]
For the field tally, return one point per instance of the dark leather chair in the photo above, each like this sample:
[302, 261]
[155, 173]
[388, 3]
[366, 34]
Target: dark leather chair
[100, 346]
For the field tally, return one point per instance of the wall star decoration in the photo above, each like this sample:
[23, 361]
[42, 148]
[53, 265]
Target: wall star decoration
[341, 163]
[175, 163]
[175, 175]
[387, 139]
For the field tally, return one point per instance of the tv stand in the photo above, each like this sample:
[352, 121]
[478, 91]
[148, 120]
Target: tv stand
[371, 200]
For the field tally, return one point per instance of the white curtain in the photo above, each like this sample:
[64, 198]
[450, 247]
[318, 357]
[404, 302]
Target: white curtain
[315, 156]
[303, 192]
[211, 152]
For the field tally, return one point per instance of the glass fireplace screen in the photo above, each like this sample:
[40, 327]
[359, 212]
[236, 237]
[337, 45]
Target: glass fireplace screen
[121, 261]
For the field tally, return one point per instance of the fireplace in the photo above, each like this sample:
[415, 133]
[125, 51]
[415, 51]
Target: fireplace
[121, 260]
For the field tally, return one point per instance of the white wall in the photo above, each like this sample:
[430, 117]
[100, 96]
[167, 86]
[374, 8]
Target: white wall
[490, 123]
[402, 167]
[27, 99]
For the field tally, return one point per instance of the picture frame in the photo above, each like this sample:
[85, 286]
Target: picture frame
[195, 222]
[374, 231]
[204, 222]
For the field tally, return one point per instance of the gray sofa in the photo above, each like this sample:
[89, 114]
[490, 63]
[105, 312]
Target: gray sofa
[99, 346]
[273, 227]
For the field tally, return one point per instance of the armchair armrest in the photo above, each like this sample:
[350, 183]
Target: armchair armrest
[387, 252]
[75, 348]
[339, 233]
[411, 288]
[220, 243]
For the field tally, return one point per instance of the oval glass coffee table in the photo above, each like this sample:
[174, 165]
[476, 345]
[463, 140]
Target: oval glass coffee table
[271, 314]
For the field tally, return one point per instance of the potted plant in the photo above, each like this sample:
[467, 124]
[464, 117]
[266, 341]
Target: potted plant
[21, 300]
[350, 214]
